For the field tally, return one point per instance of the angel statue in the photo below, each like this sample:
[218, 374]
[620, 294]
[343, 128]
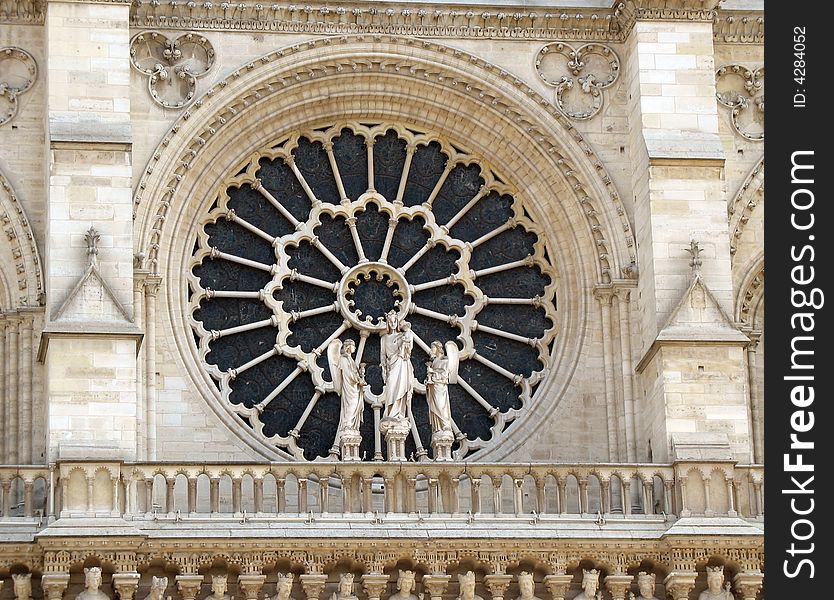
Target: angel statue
[397, 371]
[349, 382]
[441, 370]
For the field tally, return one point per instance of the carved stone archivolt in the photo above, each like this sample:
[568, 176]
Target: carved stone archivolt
[579, 75]
[742, 91]
[18, 72]
[333, 234]
[172, 65]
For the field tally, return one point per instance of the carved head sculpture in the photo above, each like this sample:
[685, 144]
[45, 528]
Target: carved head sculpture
[526, 585]
[467, 585]
[645, 583]
[92, 578]
[284, 587]
[158, 587]
[436, 349]
[715, 578]
[218, 585]
[348, 347]
[405, 326]
[590, 582]
[392, 321]
[22, 586]
[346, 584]
[405, 582]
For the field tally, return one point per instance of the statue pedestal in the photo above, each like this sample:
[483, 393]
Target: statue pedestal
[395, 434]
[349, 443]
[441, 443]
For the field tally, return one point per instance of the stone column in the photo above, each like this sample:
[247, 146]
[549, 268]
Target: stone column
[497, 585]
[374, 585]
[250, 584]
[189, 585]
[90, 185]
[678, 584]
[54, 585]
[604, 295]
[748, 583]
[313, 585]
[558, 585]
[677, 160]
[435, 584]
[618, 585]
[125, 584]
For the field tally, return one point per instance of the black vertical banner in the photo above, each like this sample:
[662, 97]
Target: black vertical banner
[798, 371]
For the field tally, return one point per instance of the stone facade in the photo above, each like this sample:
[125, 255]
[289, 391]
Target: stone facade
[629, 137]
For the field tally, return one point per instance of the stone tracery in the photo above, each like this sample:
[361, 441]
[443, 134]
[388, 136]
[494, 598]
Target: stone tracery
[321, 234]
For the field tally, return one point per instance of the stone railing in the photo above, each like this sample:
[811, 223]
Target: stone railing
[26, 494]
[181, 491]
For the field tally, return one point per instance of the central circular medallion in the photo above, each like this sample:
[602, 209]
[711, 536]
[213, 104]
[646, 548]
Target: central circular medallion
[370, 290]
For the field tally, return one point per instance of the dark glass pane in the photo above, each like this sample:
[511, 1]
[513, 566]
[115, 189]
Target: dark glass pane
[389, 160]
[461, 185]
[372, 226]
[278, 178]
[516, 357]
[233, 239]
[253, 385]
[220, 274]
[490, 212]
[232, 351]
[437, 263]
[446, 299]
[257, 210]
[352, 159]
[313, 163]
[521, 282]
[336, 237]
[511, 245]
[526, 320]
[409, 237]
[427, 166]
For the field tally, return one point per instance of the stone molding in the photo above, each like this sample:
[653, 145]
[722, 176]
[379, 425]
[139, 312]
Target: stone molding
[749, 196]
[18, 248]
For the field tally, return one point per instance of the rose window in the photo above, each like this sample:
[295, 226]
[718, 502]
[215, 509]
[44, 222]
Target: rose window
[321, 235]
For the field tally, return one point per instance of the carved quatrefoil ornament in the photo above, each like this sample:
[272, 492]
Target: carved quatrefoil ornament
[579, 76]
[742, 91]
[172, 65]
[18, 71]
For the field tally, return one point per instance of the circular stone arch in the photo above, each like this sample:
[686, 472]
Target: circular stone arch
[478, 106]
[21, 279]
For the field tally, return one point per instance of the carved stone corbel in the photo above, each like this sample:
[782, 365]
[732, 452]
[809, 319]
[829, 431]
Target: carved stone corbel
[436, 584]
[189, 585]
[251, 584]
[558, 585]
[497, 585]
[125, 584]
[54, 585]
[678, 584]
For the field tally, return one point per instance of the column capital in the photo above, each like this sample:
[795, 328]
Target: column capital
[558, 585]
[497, 585]
[125, 584]
[678, 584]
[436, 584]
[618, 585]
[189, 585]
[313, 584]
[748, 584]
[54, 585]
[374, 584]
[251, 584]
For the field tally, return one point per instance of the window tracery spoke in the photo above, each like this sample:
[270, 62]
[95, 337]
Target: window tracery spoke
[360, 220]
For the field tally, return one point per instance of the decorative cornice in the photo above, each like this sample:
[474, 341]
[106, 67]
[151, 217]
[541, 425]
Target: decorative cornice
[431, 20]
[509, 22]
[736, 27]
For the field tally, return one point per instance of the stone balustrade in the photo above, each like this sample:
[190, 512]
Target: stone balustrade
[284, 490]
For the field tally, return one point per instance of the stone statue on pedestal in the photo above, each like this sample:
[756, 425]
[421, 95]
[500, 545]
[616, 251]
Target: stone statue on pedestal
[283, 588]
[467, 586]
[349, 382]
[92, 583]
[345, 588]
[22, 586]
[527, 586]
[716, 589]
[440, 372]
[397, 371]
[590, 586]
[405, 587]
[218, 588]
